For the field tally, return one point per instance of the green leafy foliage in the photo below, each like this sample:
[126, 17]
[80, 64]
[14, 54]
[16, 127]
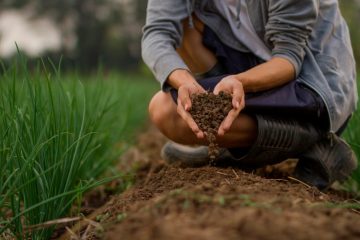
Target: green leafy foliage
[351, 12]
[57, 138]
[352, 136]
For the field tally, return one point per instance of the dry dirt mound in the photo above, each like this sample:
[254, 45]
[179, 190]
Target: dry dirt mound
[222, 203]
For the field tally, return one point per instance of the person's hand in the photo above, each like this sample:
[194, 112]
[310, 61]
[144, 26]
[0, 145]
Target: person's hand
[184, 105]
[233, 86]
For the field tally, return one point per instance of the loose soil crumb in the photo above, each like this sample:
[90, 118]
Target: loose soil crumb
[221, 203]
[208, 111]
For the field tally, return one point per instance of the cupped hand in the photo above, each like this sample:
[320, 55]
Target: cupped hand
[184, 105]
[233, 86]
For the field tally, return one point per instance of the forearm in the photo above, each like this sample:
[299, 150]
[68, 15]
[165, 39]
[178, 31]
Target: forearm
[162, 35]
[271, 74]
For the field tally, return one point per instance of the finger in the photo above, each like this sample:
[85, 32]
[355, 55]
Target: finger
[242, 103]
[199, 88]
[228, 121]
[238, 94]
[189, 121]
[218, 88]
[184, 98]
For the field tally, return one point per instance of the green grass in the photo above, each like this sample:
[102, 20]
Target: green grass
[352, 136]
[57, 138]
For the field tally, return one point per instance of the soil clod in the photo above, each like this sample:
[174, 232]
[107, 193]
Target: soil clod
[208, 111]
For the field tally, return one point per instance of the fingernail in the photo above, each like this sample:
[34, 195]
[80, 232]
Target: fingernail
[186, 107]
[237, 105]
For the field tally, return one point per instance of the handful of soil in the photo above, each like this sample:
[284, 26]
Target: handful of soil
[208, 111]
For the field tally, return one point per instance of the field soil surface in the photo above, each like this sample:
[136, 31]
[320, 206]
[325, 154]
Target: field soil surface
[168, 202]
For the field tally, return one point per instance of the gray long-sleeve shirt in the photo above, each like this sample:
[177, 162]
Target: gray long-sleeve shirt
[311, 34]
[237, 15]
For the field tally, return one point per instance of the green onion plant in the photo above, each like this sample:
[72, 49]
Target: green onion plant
[352, 136]
[57, 138]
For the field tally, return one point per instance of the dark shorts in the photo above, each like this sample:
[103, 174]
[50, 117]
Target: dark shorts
[293, 100]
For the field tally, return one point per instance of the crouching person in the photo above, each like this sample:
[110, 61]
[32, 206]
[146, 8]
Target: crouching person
[290, 70]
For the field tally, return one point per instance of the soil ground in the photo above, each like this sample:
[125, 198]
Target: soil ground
[167, 202]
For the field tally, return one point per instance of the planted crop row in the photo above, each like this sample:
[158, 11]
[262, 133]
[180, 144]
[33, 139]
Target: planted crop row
[57, 138]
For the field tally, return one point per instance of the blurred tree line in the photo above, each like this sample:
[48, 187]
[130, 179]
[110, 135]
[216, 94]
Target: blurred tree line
[108, 32]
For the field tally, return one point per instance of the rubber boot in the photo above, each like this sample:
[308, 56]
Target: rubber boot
[277, 140]
[329, 160]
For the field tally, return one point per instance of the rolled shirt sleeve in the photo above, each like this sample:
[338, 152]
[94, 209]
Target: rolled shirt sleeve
[290, 23]
[162, 34]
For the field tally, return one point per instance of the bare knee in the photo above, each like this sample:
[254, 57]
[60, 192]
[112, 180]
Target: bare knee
[161, 109]
[163, 114]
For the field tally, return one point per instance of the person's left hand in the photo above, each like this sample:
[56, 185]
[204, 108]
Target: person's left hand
[233, 86]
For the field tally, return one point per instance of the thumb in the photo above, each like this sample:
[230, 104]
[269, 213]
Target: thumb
[217, 89]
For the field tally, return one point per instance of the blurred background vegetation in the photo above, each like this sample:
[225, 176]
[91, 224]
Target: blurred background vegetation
[92, 32]
[351, 12]
[85, 33]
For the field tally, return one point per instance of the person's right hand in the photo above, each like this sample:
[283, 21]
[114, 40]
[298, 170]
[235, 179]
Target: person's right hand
[184, 105]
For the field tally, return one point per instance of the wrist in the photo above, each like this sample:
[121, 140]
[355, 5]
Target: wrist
[180, 77]
[242, 78]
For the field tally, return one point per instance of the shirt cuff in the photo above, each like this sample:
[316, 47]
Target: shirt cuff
[290, 55]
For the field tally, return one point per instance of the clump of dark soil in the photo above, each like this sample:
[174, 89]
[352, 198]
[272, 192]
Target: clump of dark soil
[208, 111]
